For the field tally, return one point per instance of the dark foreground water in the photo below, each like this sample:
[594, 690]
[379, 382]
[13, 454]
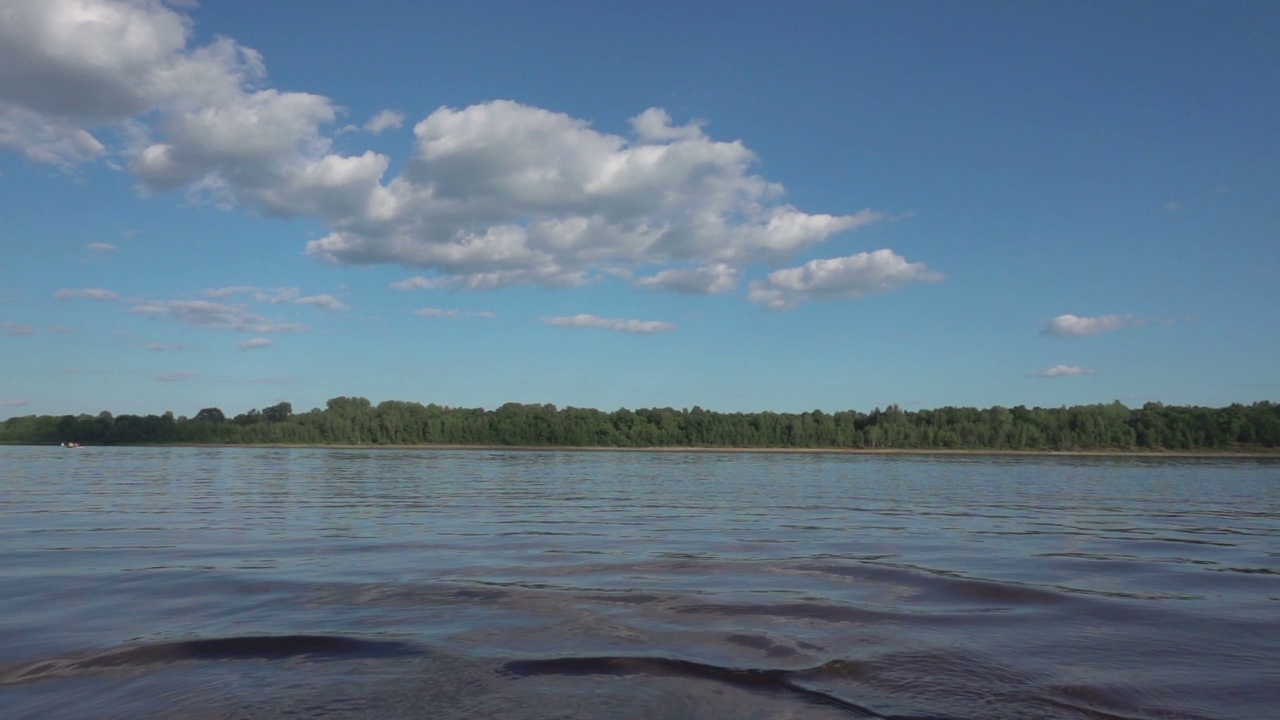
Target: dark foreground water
[265, 583]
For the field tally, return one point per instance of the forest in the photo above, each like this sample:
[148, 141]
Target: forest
[356, 421]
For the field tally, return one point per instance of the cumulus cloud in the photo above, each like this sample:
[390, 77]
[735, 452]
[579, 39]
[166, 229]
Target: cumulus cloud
[86, 293]
[51, 141]
[617, 325]
[492, 195]
[1062, 371]
[452, 314]
[221, 316]
[850, 277]
[709, 280]
[175, 376]
[501, 193]
[383, 121]
[13, 329]
[256, 343]
[1077, 326]
[100, 247]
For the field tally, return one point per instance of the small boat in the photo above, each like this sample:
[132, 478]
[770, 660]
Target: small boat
[72, 445]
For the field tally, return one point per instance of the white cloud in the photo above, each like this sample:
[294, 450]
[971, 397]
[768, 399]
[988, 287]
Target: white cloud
[383, 121]
[493, 195]
[100, 247]
[452, 314]
[175, 376]
[86, 293]
[50, 141]
[13, 329]
[62, 329]
[617, 325]
[709, 280]
[418, 283]
[1172, 206]
[1062, 371]
[14, 403]
[220, 316]
[256, 343]
[850, 277]
[277, 296]
[655, 124]
[67, 66]
[502, 194]
[324, 302]
[1077, 326]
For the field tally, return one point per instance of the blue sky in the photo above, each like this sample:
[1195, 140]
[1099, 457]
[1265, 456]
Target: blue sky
[742, 206]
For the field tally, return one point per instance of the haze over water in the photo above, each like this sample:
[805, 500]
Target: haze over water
[233, 582]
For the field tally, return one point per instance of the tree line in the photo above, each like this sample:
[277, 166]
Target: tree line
[356, 421]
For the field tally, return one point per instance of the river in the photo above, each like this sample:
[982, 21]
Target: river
[406, 583]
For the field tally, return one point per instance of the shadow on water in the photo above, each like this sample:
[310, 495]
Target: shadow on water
[251, 647]
[803, 685]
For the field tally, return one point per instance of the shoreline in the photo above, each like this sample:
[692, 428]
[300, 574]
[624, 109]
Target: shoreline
[1203, 454]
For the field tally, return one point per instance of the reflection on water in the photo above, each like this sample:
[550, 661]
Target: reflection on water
[227, 583]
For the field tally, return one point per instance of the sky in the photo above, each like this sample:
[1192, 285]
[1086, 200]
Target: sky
[742, 206]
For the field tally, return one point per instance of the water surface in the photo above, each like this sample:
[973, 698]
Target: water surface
[264, 583]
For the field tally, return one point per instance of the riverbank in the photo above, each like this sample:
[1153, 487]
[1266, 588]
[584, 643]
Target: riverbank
[1206, 454]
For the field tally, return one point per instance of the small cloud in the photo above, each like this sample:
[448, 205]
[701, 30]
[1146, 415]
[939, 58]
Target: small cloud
[655, 124]
[256, 343]
[617, 325]
[13, 329]
[324, 302]
[419, 283]
[453, 314]
[841, 278]
[275, 296]
[383, 121]
[169, 347]
[131, 233]
[1062, 371]
[62, 329]
[1077, 326]
[1172, 206]
[262, 381]
[710, 280]
[86, 293]
[220, 316]
[14, 403]
[100, 247]
[175, 376]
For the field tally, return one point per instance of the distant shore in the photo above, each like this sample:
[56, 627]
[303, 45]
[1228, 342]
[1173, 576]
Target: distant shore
[1208, 454]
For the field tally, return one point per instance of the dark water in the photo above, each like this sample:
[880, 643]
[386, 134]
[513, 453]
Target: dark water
[265, 583]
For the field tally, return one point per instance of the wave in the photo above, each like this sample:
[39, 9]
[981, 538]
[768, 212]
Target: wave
[247, 647]
[755, 679]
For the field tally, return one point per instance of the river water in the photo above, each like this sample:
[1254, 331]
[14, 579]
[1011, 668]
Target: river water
[313, 583]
